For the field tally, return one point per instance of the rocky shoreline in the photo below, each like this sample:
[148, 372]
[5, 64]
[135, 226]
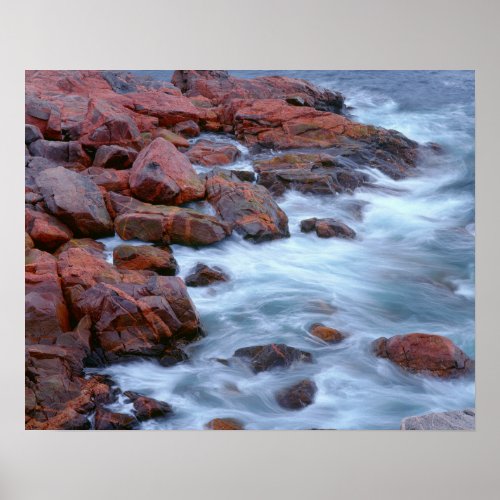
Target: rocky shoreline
[109, 152]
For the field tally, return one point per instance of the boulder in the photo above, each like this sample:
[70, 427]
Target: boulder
[460, 420]
[425, 353]
[75, 200]
[210, 154]
[250, 209]
[145, 257]
[177, 140]
[297, 396]
[327, 228]
[67, 152]
[113, 156]
[188, 128]
[202, 275]
[109, 179]
[87, 244]
[225, 424]
[165, 225]
[147, 408]
[46, 231]
[31, 134]
[161, 174]
[267, 357]
[325, 333]
[105, 420]
[220, 88]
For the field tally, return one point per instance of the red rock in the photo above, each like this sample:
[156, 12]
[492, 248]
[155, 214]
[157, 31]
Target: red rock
[110, 179]
[46, 314]
[249, 208]
[326, 333]
[28, 242]
[177, 140]
[327, 228]
[116, 157]
[161, 174]
[294, 161]
[147, 408]
[298, 395]
[267, 357]
[424, 353]
[225, 424]
[203, 275]
[219, 87]
[87, 244]
[45, 230]
[145, 257]
[109, 421]
[187, 129]
[165, 225]
[68, 152]
[76, 200]
[210, 154]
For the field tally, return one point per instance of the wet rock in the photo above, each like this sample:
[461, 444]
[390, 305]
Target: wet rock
[460, 420]
[75, 200]
[425, 353]
[147, 408]
[326, 333]
[298, 395]
[295, 161]
[249, 208]
[109, 421]
[46, 314]
[202, 275]
[172, 357]
[113, 156]
[327, 228]
[220, 88]
[244, 175]
[210, 154]
[145, 257]
[31, 134]
[45, 230]
[267, 357]
[225, 424]
[188, 128]
[161, 174]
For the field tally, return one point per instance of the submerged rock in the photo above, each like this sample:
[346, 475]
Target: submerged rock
[460, 420]
[148, 408]
[425, 353]
[225, 424]
[326, 333]
[145, 257]
[161, 174]
[327, 228]
[297, 396]
[202, 275]
[267, 357]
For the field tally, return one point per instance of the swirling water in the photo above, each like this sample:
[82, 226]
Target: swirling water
[410, 269]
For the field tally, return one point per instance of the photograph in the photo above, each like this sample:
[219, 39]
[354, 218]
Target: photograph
[224, 249]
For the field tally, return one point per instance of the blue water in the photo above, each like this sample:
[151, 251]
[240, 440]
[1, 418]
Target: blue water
[410, 269]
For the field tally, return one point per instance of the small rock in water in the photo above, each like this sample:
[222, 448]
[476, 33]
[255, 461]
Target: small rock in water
[145, 258]
[203, 275]
[327, 228]
[225, 424]
[326, 333]
[267, 357]
[173, 356]
[298, 395]
[147, 408]
[106, 420]
[461, 420]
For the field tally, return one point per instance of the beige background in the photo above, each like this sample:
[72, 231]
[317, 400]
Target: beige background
[250, 34]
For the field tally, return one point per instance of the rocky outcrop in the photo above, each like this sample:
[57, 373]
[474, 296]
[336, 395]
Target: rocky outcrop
[145, 257]
[210, 154]
[161, 174]
[424, 353]
[203, 275]
[327, 228]
[225, 424]
[460, 420]
[250, 209]
[325, 333]
[165, 225]
[220, 88]
[297, 396]
[75, 200]
[267, 357]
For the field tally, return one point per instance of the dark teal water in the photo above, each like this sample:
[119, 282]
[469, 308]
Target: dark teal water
[410, 269]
